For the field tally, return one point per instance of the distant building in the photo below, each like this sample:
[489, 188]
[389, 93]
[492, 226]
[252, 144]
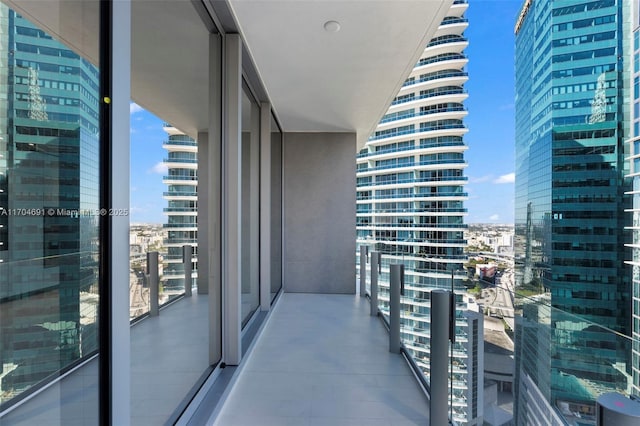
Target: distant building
[634, 173]
[49, 186]
[571, 123]
[410, 194]
[182, 209]
[486, 270]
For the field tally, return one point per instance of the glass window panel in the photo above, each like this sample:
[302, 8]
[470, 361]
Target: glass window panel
[276, 208]
[250, 210]
[49, 220]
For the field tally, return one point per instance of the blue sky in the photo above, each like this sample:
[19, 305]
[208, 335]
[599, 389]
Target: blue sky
[490, 122]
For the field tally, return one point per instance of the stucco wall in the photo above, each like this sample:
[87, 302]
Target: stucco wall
[319, 212]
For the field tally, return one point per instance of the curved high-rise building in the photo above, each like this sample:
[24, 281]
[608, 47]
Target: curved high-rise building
[182, 209]
[410, 194]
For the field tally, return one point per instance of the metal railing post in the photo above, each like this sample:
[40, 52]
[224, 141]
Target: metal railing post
[375, 271]
[364, 251]
[440, 316]
[154, 283]
[396, 289]
[187, 261]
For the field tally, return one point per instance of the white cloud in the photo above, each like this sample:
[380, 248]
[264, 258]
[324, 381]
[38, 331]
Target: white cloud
[159, 168]
[134, 107]
[485, 178]
[494, 217]
[508, 178]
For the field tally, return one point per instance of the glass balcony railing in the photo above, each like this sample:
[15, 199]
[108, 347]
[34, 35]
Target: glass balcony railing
[423, 113]
[447, 39]
[177, 177]
[566, 361]
[180, 143]
[453, 20]
[417, 180]
[180, 193]
[180, 160]
[429, 95]
[180, 209]
[425, 195]
[425, 145]
[179, 225]
[440, 58]
[435, 76]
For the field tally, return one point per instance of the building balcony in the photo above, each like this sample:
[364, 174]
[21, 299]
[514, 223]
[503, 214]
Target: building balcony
[182, 179]
[180, 225]
[458, 8]
[450, 78]
[452, 26]
[454, 112]
[320, 376]
[180, 194]
[180, 160]
[457, 95]
[306, 366]
[447, 60]
[453, 44]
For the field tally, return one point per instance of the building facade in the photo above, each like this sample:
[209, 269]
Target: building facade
[634, 170]
[571, 123]
[48, 206]
[410, 194]
[182, 209]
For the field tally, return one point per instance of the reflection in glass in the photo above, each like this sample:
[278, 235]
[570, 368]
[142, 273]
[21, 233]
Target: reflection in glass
[182, 210]
[276, 208]
[49, 211]
[250, 213]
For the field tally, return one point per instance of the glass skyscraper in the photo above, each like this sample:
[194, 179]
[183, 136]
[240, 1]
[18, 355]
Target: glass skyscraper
[634, 174]
[49, 177]
[571, 124]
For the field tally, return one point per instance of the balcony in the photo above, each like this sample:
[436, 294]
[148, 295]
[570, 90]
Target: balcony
[319, 358]
[322, 359]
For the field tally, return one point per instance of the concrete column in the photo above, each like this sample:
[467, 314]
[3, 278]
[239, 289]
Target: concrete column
[210, 201]
[265, 206]
[251, 208]
[120, 327]
[440, 316]
[232, 200]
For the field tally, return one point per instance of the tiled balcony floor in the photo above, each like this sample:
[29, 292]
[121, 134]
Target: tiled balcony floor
[322, 360]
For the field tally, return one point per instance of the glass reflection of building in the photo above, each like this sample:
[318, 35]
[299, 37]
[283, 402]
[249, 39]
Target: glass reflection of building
[49, 194]
[634, 174]
[570, 166]
[182, 209]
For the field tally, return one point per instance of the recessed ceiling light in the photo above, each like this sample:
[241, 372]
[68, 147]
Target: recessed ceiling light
[332, 26]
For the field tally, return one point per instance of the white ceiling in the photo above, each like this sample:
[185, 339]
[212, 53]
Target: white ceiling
[317, 81]
[333, 82]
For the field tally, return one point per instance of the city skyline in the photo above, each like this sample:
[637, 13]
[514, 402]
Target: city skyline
[490, 156]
